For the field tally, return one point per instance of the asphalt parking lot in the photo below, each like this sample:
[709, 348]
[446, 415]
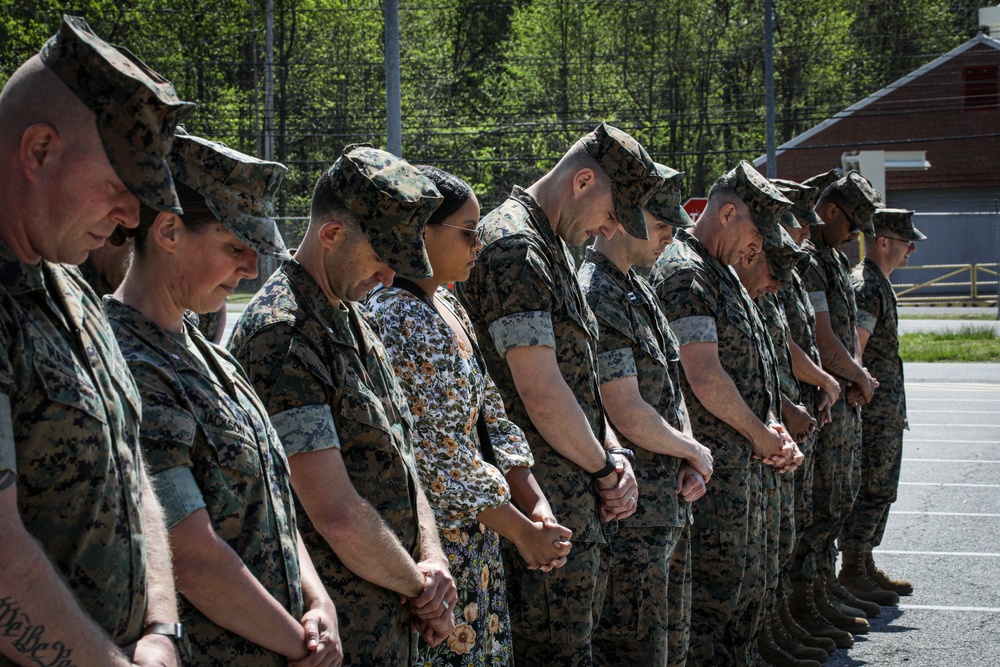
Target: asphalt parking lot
[944, 529]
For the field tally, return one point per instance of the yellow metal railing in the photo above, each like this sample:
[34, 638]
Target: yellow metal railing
[977, 277]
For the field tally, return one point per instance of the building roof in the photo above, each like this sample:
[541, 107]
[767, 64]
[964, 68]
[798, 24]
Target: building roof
[874, 97]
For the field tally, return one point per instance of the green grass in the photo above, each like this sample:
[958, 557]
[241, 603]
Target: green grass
[946, 316]
[969, 343]
[240, 297]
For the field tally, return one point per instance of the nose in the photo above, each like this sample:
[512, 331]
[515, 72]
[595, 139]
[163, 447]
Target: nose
[478, 244]
[125, 211]
[249, 266]
[385, 276]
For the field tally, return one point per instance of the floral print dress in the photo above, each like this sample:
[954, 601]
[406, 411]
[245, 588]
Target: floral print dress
[439, 374]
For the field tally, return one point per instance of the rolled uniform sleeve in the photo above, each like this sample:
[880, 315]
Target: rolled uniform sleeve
[867, 321]
[616, 364]
[819, 302]
[525, 329]
[695, 329]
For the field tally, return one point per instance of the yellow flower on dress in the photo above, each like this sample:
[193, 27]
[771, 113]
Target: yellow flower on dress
[471, 612]
[450, 444]
[462, 382]
[437, 487]
[463, 639]
[450, 394]
[465, 539]
[455, 473]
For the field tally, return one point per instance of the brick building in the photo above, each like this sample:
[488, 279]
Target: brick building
[939, 128]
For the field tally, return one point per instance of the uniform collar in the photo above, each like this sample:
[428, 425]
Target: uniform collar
[334, 319]
[539, 219]
[16, 276]
[154, 336]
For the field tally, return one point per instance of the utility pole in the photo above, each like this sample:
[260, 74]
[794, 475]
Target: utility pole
[269, 84]
[772, 155]
[393, 105]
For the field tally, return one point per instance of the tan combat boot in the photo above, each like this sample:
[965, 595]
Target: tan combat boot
[801, 634]
[841, 597]
[854, 576]
[897, 586]
[773, 654]
[802, 607]
[853, 624]
[790, 645]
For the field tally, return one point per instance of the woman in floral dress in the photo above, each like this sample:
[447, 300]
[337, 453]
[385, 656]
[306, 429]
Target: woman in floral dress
[470, 483]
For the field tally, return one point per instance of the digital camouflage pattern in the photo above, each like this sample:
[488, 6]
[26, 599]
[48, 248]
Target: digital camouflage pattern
[679, 600]
[137, 109]
[239, 189]
[392, 200]
[773, 314]
[325, 379]
[209, 445]
[636, 341]
[884, 418]
[705, 302]
[827, 280]
[822, 181]
[523, 291]
[666, 203]
[782, 258]
[765, 201]
[803, 198]
[897, 222]
[634, 624]
[69, 429]
[861, 198]
[632, 172]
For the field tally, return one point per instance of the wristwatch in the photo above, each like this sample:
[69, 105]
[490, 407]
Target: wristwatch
[610, 464]
[176, 632]
[627, 453]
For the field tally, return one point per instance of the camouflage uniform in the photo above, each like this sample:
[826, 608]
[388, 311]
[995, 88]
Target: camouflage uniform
[838, 447]
[523, 291]
[71, 427]
[705, 302]
[801, 320]
[69, 409]
[636, 341]
[94, 279]
[326, 381]
[209, 444]
[884, 417]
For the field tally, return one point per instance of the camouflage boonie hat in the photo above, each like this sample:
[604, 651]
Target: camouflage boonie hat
[784, 257]
[861, 198]
[803, 198]
[633, 176]
[822, 181]
[392, 201]
[896, 221]
[765, 201]
[238, 189]
[665, 203]
[137, 109]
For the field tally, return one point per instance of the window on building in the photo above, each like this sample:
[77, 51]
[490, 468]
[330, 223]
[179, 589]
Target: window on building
[982, 86]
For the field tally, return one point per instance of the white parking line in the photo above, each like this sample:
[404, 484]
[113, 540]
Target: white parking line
[962, 426]
[949, 461]
[951, 442]
[931, 607]
[951, 412]
[971, 554]
[985, 516]
[983, 486]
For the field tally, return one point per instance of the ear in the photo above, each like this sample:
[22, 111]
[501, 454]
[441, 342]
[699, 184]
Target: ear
[329, 231]
[39, 144]
[727, 214]
[584, 181]
[165, 230]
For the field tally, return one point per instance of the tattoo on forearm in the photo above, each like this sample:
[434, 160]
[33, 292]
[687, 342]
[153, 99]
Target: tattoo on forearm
[836, 365]
[26, 638]
[6, 479]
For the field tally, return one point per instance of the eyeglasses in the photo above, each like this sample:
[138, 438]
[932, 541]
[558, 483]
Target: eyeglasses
[850, 218]
[471, 234]
[894, 238]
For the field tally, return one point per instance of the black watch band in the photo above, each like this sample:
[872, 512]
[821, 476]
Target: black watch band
[627, 453]
[610, 464]
[176, 632]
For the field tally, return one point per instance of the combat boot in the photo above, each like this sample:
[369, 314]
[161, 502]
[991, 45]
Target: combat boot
[854, 576]
[845, 600]
[802, 607]
[897, 586]
[801, 635]
[773, 654]
[787, 643]
[853, 624]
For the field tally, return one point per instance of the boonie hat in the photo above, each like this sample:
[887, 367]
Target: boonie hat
[392, 201]
[896, 221]
[665, 202]
[633, 176]
[765, 201]
[784, 257]
[137, 109]
[822, 181]
[239, 189]
[861, 198]
[803, 198]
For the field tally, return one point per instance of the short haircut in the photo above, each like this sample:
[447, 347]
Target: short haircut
[326, 201]
[577, 158]
[834, 194]
[453, 189]
[197, 216]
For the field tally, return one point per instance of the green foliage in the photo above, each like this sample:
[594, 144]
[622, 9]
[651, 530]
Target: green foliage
[497, 91]
[969, 343]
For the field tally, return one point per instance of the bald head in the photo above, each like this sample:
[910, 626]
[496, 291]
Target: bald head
[34, 94]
